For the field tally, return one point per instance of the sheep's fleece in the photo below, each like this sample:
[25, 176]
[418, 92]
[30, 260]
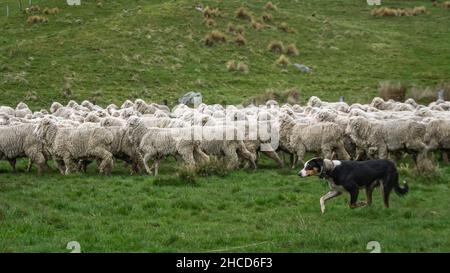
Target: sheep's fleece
[72, 135]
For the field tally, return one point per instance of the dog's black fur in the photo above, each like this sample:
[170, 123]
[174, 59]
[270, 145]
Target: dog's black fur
[351, 176]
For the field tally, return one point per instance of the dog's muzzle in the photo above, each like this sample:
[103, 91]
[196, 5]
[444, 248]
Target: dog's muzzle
[302, 173]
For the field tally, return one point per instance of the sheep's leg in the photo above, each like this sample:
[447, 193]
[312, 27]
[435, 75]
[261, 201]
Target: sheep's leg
[30, 164]
[242, 151]
[156, 166]
[41, 162]
[273, 155]
[201, 156]
[382, 152]
[342, 153]
[12, 162]
[106, 160]
[68, 162]
[232, 158]
[327, 151]
[444, 155]
[60, 165]
[145, 161]
[301, 150]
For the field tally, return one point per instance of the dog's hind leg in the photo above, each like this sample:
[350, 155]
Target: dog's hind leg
[369, 191]
[354, 198]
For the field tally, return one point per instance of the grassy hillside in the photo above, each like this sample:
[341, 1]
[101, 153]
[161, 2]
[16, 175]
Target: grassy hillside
[154, 50]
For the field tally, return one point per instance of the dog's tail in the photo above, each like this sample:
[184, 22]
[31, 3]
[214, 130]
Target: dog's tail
[402, 190]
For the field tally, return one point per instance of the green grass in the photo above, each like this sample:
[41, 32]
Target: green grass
[112, 53]
[267, 210]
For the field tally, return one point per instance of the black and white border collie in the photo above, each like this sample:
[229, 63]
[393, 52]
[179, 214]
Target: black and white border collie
[351, 176]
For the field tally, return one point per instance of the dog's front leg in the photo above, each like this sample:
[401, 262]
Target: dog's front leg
[326, 197]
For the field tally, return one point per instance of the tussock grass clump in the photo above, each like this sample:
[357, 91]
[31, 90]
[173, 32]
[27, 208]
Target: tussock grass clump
[276, 46]
[292, 50]
[240, 40]
[243, 13]
[213, 167]
[243, 68]
[36, 19]
[257, 25]
[210, 12]
[187, 174]
[291, 96]
[34, 9]
[266, 17]
[231, 65]
[446, 5]
[270, 6]
[389, 90]
[423, 94]
[231, 28]
[50, 11]
[215, 37]
[285, 28]
[390, 12]
[209, 22]
[283, 61]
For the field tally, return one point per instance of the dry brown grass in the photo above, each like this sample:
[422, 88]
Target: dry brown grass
[392, 90]
[283, 61]
[390, 12]
[243, 68]
[215, 36]
[231, 28]
[266, 17]
[240, 40]
[286, 28]
[292, 50]
[291, 96]
[34, 9]
[257, 25]
[423, 94]
[243, 13]
[270, 6]
[50, 11]
[276, 46]
[231, 65]
[210, 12]
[209, 22]
[36, 19]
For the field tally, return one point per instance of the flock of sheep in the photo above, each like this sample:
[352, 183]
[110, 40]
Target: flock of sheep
[75, 135]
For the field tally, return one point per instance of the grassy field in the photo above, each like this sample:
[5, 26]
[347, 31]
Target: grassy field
[154, 50]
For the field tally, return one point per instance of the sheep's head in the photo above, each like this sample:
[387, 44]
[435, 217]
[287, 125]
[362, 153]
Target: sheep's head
[41, 130]
[111, 108]
[127, 104]
[107, 122]
[55, 107]
[87, 104]
[21, 106]
[133, 122]
[101, 113]
[355, 126]
[411, 101]
[72, 104]
[92, 118]
[377, 102]
[314, 101]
